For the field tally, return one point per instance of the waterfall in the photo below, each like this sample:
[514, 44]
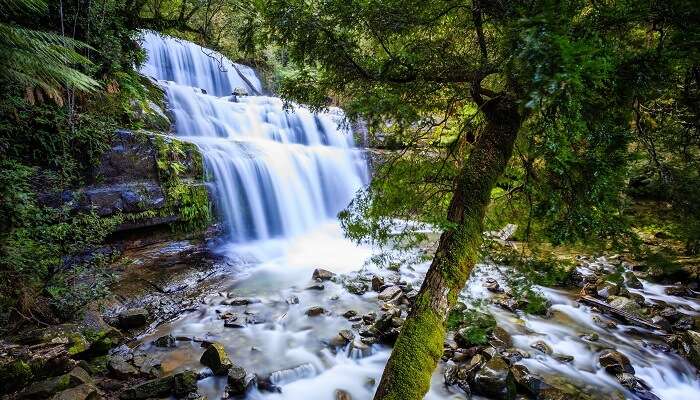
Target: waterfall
[277, 171]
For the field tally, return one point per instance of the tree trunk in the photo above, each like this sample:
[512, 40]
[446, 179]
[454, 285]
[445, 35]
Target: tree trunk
[420, 345]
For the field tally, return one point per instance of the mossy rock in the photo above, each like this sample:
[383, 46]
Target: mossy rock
[46, 388]
[13, 375]
[216, 358]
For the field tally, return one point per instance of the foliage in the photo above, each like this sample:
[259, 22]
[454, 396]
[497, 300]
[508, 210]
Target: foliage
[36, 59]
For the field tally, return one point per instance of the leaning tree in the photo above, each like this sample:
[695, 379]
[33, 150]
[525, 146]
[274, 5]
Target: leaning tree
[459, 87]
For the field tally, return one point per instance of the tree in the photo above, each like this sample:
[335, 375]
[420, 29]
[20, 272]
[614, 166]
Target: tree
[458, 85]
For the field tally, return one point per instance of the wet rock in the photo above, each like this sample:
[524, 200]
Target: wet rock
[369, 318]
[233, 322]
[607, 289]
[390, 293]
[377, 283]
[165, 341]
[615, 362]
[341, 394]
[626, 305]
[350, 314]
[132, 318]
[46, 388]
[670, 313]
[179, 385]
[542, 347]
[266, 385]
[292, 300]
[507, 303]
[119, 367]
[689, 346]
[492, 285]
[529, 382]
[316, 286]
[241, 301]
[81, 392]
[678, 290]
[216, 358]
[632, 281]
[603, 322]
[553, 393]
[355, 287]
[147, 364]
[321, 274]
[342, 338]
[502, 336]
[239, 381]
[684, 324]
[637, 386]
[513, 355]
[565, 358]
[455, 378]
[591, 337]
[315, 311]
[661, 322]
[495, 380]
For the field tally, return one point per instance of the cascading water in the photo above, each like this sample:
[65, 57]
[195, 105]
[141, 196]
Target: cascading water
[277, 172]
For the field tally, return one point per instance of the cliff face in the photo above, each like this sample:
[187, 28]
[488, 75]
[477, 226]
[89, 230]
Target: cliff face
[146, 179]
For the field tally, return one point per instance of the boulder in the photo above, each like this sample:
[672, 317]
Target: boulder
[179, 385]
[341, 394]
[377, 283]
[80, 392]
[632, 281]
[216, 358]
[321, 274]
[502, 336]
[315, 311]
[355, 286]
[689, 346]
[133, 318]
[165, 341]
[542, 347]
[495, 380]
[46, 388]
[607, 289]
[529, 383]
[615, 362]
[119, 367]
[239, 381]
[390, 293]
[241, 301]
[184, 383]
[626, 305]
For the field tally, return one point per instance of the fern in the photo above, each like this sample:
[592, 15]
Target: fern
[36, 59]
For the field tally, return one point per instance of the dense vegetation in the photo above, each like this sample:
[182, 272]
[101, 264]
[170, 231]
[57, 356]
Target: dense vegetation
[561, 117]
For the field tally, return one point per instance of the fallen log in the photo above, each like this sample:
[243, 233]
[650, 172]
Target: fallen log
[607, 308]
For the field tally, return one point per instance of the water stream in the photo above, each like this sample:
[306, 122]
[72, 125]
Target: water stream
[280, 176]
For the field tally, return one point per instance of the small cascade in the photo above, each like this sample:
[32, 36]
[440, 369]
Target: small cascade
[277, 172]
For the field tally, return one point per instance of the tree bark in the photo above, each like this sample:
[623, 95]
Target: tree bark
[416, 353]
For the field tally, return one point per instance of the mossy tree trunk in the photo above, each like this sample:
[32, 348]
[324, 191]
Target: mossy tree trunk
[420, 345]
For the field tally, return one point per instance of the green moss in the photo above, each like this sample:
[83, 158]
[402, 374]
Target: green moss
[189, 200]
[415, 355]
[14, 375]
[78, 344]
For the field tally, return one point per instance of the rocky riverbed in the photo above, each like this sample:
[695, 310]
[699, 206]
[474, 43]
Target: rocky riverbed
[310, 322]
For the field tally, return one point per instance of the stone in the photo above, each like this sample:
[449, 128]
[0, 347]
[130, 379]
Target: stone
[165, 341]
[632, 281]
[377, 283]
[355, 287]
[529, 382]
[316, 286]
[133, 318]
[79, 376]
[492, 286]
[502, 336]
[216, 358]
[119, 367]
[689, 347]
[565, 358]
[241, 301]
[239, 381]
[350, 314]
[678, 290]
[661, 322]
[292, 300]
[159, 387]
[626, 305]
[495, 380]
[184, 383]
[321, 274]
[607, 289]
[542, 347]
[684, 324]
[46, 388]
[615, 362]
[315, 311]
[80, 392]
[390, 293]
[670, 313]
[341, 394]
